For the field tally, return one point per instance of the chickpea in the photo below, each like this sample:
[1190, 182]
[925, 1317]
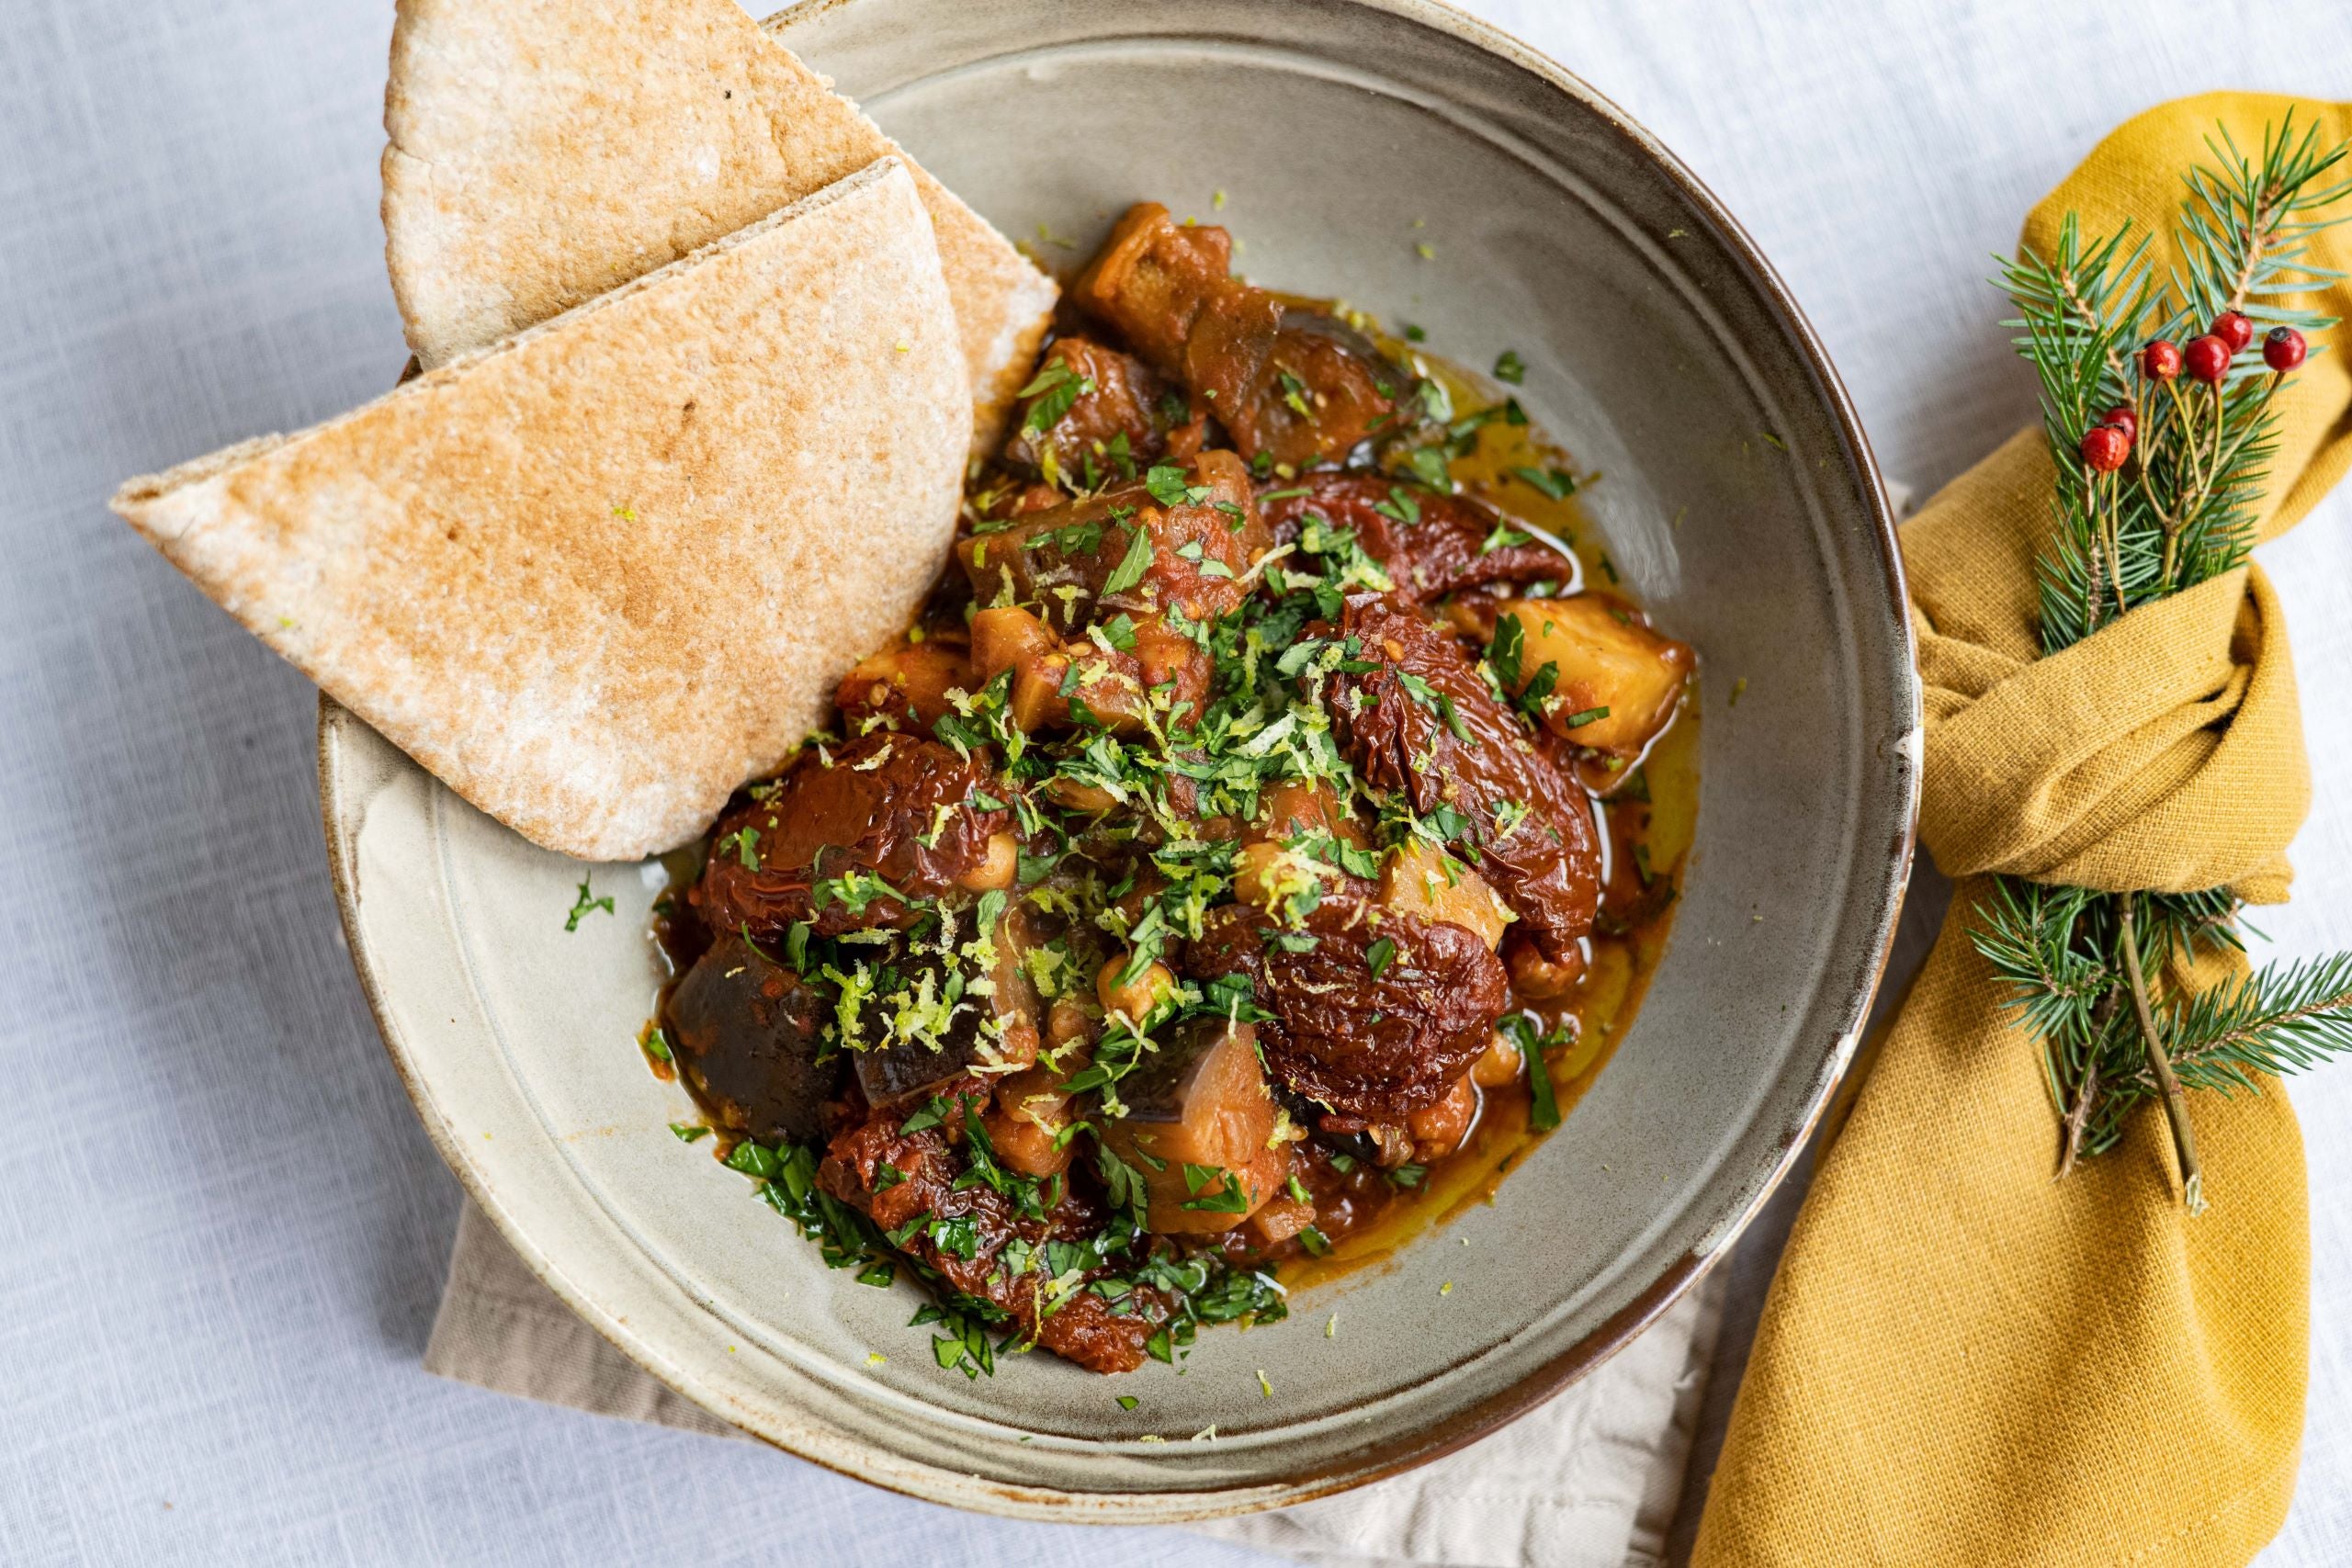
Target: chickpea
[1439, 1130]
[996, 868]
[1026, 1145]
[1537, 976]
[1135, 998]
[1027, 1121]
[1499, 1066]
[1067, 1022]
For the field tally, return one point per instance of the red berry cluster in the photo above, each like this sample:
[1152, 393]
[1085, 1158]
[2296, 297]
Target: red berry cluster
[2207, 359]
[2108, 443]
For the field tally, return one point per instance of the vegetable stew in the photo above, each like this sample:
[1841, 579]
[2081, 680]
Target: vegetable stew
[1263, 834]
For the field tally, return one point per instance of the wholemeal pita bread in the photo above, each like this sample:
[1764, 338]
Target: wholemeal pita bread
[545, 151]
[598, 575]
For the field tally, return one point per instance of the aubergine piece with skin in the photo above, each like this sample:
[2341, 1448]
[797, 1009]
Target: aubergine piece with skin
[921, 1024]
[1200, 1100]
[1293, 386]
[748, 1034]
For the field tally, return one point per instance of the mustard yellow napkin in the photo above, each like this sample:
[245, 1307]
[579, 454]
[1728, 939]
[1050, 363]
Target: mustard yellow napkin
[1959, 1361]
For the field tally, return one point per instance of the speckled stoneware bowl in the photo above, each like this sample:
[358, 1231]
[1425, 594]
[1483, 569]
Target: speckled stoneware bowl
[1738, 496]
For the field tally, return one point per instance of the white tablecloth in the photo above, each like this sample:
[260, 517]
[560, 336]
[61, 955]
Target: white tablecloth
[222, 1233]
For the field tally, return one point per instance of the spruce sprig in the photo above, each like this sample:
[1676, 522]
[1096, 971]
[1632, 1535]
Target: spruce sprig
[2095, 975]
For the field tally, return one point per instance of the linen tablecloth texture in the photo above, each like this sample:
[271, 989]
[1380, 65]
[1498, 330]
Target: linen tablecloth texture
[1961, 1362]
[1588, 1480]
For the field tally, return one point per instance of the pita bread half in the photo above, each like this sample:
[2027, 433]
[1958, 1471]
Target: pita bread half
[545, 151]
[597, 576]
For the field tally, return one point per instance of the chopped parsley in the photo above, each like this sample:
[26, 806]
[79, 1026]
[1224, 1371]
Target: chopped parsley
[583, 905]
[1401, 506]
[1556, 484]
[1503, 537]
[1134, 564]
[1544, 1100]
[1055, 388]
[1166, 483]
[1511, 367]
[744, 844]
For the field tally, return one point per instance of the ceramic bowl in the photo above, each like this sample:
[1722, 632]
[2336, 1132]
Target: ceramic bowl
[1741, 503]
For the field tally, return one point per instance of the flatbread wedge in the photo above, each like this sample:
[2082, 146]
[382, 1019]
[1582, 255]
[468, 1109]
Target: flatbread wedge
[600, 574]
[542, 151]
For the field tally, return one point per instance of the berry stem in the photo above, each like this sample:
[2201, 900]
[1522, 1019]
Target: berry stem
[2188, 425]
[2216, 400]
[2115, 544]
[2194, 502]
[2254, 422]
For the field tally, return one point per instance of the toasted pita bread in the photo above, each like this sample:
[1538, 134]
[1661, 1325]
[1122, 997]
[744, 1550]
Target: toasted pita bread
[545, 151]
[598, 575]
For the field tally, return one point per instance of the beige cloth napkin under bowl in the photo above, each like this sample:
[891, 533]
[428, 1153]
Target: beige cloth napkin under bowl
[1588, 1480]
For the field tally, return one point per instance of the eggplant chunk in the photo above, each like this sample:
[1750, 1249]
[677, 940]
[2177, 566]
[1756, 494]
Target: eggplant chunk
[746, 1033]
[917, 1031]
[1111, 418]
[1199, 1124]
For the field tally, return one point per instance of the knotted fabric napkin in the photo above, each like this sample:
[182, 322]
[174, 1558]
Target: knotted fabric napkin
[1962, 1362]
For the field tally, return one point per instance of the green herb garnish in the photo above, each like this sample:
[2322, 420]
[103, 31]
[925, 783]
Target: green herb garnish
[585, 906]
[1133, 565]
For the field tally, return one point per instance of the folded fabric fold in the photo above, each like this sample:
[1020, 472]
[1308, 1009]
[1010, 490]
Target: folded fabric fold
[2162, 754]
[1959, 1361]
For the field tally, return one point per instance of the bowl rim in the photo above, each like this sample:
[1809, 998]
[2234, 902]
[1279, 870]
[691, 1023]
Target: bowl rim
[1482, 1416]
